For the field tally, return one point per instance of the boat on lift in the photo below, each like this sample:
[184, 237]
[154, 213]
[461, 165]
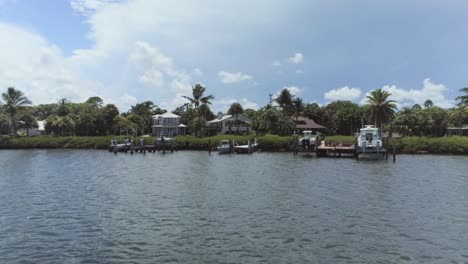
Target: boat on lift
[308, 140]
[369, 144]
[224, 147]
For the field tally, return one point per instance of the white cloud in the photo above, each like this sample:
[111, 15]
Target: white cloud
[276, 63]
[296, 58]
[294, 90]
[87, 7]
[39, 69]
[228, 77]
[434, 92]
[197, 72]
[299, 71]
[343, 93]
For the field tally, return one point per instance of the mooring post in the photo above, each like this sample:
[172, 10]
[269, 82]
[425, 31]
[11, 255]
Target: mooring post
[394, 154]
[334, 151]
[131, 146]
[172, 146]
[164, 147]
[209, 146]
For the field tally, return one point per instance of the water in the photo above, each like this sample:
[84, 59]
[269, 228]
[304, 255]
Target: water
[61, 206]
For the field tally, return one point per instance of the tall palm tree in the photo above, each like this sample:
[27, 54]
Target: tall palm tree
[12, 100]
[463, 98]
[298, 107]
[380, 108]
[236, 109]
[284, 100]
[196, 100]
[197, 96]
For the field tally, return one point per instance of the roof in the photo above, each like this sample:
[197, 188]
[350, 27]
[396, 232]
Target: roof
[182, 125]
[458, 128]
[369, 128]
[229, 117]
[167, 115]
[307, 123]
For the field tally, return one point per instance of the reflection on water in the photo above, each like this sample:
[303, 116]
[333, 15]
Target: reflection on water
[188, 207]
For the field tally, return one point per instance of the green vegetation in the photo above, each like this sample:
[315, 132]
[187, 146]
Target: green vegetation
[409, 145]
[340, 138]
[442, 145]
[92, 124]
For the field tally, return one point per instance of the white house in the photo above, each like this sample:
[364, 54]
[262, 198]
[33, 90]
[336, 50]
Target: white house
[167, 124]
[32, 131]
[226, 124]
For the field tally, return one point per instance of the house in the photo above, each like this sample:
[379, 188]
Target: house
[304, 123]
[32, 131]
[226, 124]
[167, 124]
[457, 131]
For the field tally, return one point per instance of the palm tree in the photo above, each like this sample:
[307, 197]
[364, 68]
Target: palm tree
[196, 100]
[235, 110]
[428, 103]
[463, 98]
[11, 100]
[284, 100]
[298, 107]
[197, 96]
[380, 108]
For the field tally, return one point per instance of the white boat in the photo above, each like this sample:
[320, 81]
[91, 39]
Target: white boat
[224, 147]
[308, 140]
[369, 143]
[164, 139]
[246, 149]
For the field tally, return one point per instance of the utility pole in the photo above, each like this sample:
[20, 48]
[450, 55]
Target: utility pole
[271, 99]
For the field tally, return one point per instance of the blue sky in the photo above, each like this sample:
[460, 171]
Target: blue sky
[129, 51]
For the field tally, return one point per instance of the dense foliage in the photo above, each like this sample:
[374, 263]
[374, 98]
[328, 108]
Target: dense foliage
[279, 117]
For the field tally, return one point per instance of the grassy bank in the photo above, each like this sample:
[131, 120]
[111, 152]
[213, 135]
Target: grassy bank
[268, 142]
[410, 145]
[443, 145]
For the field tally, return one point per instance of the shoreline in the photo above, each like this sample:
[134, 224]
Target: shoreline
[268, 143]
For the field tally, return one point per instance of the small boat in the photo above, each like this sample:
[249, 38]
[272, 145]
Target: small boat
[308, 140]
[224, 147]
[246, 149]
[163, 139]
[369, 144]
[120, 147]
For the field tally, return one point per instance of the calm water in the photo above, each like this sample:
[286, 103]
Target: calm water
[188, 207]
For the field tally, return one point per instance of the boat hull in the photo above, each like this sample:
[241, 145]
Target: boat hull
[224, 150]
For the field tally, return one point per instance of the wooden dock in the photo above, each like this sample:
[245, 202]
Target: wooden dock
[341, 149]
[132, 147]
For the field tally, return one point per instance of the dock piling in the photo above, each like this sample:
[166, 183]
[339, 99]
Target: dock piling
[209, 146]
[394, 154]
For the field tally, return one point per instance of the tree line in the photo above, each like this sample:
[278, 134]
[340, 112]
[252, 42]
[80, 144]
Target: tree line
[94, 118]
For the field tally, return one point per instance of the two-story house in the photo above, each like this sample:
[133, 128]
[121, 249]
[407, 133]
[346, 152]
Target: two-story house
[227, 124]
[167, 124]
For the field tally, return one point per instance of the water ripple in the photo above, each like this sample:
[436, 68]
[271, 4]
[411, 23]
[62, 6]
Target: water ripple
[188, 207]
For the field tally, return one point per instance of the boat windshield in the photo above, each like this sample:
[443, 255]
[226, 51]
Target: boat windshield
[370, 136]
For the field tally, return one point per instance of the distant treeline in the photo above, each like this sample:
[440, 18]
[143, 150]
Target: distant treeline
[94, 118]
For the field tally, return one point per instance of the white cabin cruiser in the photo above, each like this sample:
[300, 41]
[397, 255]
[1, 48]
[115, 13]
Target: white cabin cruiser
[369, 143]
[308, 140]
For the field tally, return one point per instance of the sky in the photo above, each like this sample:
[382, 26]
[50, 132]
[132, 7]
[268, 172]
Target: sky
[241, 51]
